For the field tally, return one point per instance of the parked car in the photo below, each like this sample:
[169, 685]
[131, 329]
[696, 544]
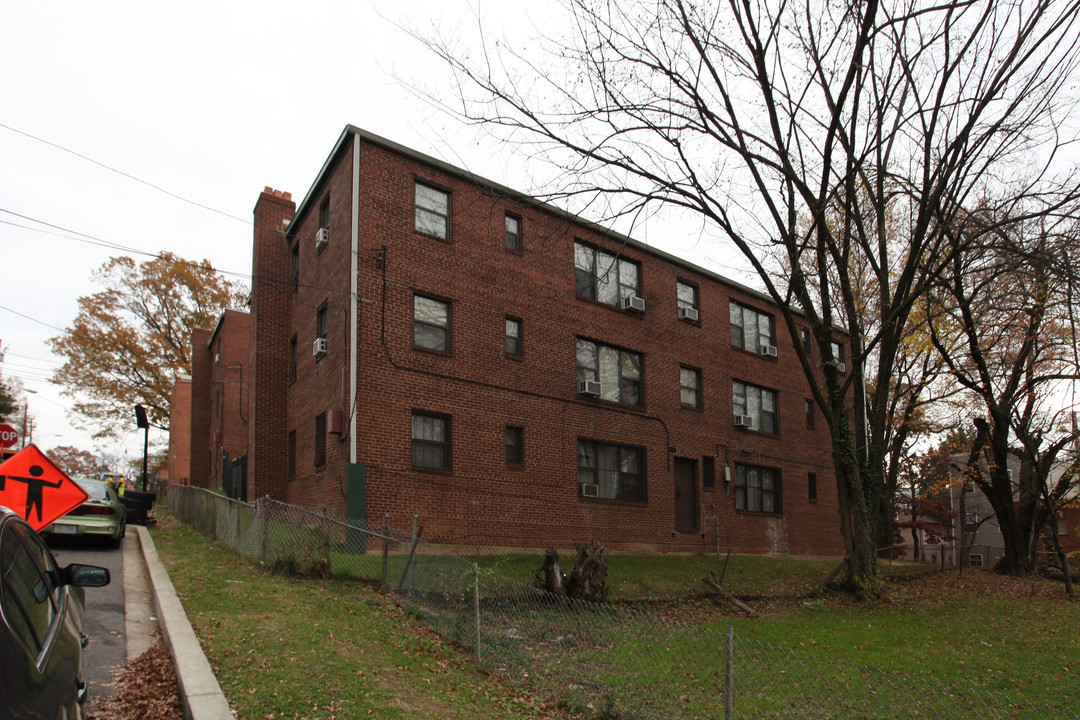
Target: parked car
[102, 515]
[41, 618]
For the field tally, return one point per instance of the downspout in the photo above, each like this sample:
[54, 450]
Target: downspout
[354, 294]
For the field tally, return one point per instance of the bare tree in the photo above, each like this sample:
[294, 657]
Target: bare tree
[796, 130]
[1001, 317]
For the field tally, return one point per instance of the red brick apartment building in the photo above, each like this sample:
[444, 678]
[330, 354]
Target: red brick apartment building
[426, 342]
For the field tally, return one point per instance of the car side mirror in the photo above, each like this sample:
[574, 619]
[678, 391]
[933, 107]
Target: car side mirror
[81, 575]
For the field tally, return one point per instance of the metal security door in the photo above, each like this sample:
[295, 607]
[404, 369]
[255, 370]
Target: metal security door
[685, 496]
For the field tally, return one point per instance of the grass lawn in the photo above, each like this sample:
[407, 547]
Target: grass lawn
[286, 647]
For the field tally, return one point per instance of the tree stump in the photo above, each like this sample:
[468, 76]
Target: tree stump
[587, 579]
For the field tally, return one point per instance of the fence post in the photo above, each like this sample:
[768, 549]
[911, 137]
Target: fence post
[476, 605]
[415, 526]
[385, 547]
[729, 678]
[262, 511]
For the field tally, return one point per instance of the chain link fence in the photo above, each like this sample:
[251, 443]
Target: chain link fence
[601, 660]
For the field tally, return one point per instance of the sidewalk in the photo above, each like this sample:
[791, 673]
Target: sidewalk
[151, 603]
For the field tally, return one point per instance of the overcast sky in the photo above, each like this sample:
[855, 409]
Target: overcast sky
[198, 104]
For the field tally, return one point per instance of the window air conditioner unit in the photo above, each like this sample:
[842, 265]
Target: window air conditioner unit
[744, 421]
[688, 313]
[319, 348]
[322, 238]
[768, 350]
[589, 490]
[589, 387]
[633, 302]
[841, 367]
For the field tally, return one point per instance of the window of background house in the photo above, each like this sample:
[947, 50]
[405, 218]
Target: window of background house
[431, 323]
[290, 463]
[513, 233]
[618, 371]
[611, 472]
[320, 439]
[809, 413]
[515, 445]
[971, 522]
[757, 402]
[708, 471]
[750, 329]
[432, 211]
[686, 295]
[811, 487]
[757, 489]
[431, 441]
[604, 277]
[690, 387]
[513, 337]
[292, 360]
[975, 560]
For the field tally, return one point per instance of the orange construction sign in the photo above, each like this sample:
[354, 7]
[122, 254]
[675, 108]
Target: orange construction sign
[36, 489]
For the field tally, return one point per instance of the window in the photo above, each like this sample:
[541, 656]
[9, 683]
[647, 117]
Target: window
[975, 560]
[757, 403]
[604, 277]
[690, 387]
[757, 489]
[292, 360]
[432, 211]
[611, 472]
[708, 471]
[618, 371]
[809, 413]
[320, 439]
[971, 522]
[431, 441]
[296, 267]
[806, 341]
[324, 214]
[290, 467]
[686, 296]
[515, 445]
[838, 355]
[431, 323]
[513, 233]
[29, 587]
[811, 487]
[513, 337]
[321, 324]
[751, 330]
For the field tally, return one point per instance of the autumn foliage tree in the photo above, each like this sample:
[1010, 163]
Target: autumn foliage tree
[75, 462]
[131, 339]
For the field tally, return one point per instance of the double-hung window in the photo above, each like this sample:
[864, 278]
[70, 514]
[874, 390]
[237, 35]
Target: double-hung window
[432, 211]
[431, 441]
[513, 337]
[757, 489]
[758, 404]
[513, 233]
[431, 323]
[838, 356]
[752, 330]
[611, 472]
[686, 296]
[604, 277]
[515, 445]
[690, 387]
[618, 371]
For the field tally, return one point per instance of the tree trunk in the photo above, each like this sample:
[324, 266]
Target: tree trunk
[588, 578]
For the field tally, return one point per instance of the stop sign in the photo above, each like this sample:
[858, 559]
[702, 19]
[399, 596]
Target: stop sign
[8, 435]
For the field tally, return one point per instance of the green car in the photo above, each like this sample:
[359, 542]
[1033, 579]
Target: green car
[102, 515]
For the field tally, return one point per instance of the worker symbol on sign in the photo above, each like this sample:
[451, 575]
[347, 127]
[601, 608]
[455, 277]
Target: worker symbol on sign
[34, 487]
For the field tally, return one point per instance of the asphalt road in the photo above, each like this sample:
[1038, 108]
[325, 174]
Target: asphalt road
[104, 622]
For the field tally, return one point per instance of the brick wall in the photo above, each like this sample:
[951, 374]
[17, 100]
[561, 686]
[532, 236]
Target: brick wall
[481, 500]
[227, 354]
[179, 466]
[201, 446]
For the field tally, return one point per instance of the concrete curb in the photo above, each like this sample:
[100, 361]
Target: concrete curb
[200, 692]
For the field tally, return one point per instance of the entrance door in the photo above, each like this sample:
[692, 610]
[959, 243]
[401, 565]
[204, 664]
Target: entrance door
[685, 495]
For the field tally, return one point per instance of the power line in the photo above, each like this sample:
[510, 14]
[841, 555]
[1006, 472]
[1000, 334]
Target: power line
[39, 322]
[125, 174]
